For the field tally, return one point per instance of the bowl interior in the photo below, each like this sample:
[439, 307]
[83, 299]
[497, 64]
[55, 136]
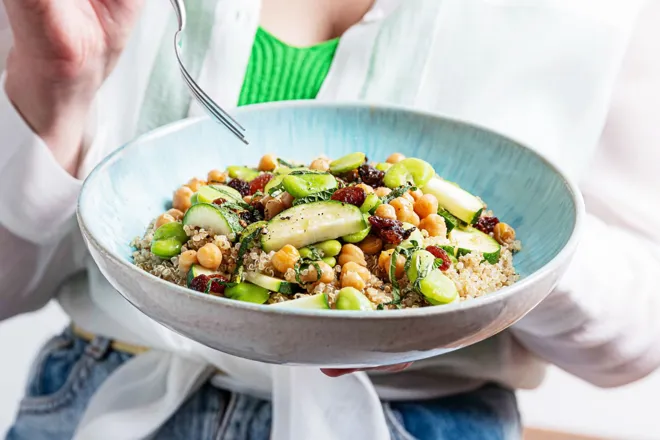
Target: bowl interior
[135, 184]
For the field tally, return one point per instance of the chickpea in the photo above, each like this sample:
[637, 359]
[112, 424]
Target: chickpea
[327, 273]
[186, 260]
[163, 219]
[352, 266]
[408, 197]
[435, 225]
[367, 189]
[217, 176]
[320, 164]
[401, 204]
[395, 157]
[350, 252]
[504, 234]
[273, 207]
[408, 216]
[176, 214]
[209, 256]
[426, 205]
[417, 194]
[353, 279]
[195, 184]
[382, 191]
[268, 163]
[371, 245]
[181, 200]
[285, 259]
[386, 211]
[384, 263]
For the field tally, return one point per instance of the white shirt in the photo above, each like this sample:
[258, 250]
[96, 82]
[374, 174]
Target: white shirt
[558, 75]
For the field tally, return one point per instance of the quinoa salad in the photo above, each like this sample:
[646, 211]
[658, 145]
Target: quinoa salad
[345, 234]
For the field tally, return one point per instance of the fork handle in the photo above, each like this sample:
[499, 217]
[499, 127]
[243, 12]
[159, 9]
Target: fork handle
[180, 10]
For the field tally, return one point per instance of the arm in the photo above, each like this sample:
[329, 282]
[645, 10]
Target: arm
[60, 55]
[602, 323]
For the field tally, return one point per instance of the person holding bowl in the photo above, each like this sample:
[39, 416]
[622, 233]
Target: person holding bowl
[574, 80]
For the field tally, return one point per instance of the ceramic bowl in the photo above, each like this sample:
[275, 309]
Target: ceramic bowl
[135, 184]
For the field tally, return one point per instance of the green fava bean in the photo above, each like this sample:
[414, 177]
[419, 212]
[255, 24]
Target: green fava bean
[330, 248]
[421, 263]
[358, 236]
[350, 298]
[347, 163]
[306, 253]
[330, 261]
[411, 170]
[241, 172]
[171, 230]
[166, 248]
[383, 166]
[303, 185]
[438, 289]
[248, 292]
[371, 202]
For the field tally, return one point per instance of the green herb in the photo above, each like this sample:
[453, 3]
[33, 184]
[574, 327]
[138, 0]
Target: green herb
[222, 283]
[398, 192]
[321, 196]
[437, 263]
[242, 250]
[284, 163]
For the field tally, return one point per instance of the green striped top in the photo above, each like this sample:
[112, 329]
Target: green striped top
[278, 71]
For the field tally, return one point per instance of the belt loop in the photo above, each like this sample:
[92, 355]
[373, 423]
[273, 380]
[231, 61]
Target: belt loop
[98, 348]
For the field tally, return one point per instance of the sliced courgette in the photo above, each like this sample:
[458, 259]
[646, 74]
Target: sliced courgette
[271, 283]
[454, 199]
[472, 240]
[311, 223]
[450, 220]
[214, 219]
[228, 192]
[318, 301]
[437, 288]
[248, 292]
[350, 298]
[197, 270]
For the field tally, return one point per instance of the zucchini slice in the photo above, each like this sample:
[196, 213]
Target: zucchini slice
[214, 219]
[271, 283]
[311, 223]
[197, 270]
[454, 199]
[318, 301]
[471, 240]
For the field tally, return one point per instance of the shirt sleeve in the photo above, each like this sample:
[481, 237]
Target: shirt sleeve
[602, 322]
[37, 206]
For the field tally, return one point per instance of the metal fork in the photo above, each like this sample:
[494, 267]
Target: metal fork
[214, 110]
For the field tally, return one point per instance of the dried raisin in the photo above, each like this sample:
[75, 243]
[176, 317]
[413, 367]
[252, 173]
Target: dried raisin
[486, 224]
[441, 254]
[371, 176]
[389, 230]
[353, 195]
[241, 186]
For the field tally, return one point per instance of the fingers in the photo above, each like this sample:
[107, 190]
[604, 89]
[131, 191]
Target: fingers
[336, 372]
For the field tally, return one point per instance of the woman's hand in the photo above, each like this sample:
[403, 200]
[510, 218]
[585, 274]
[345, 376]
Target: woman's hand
[336, 372]
[63, 51]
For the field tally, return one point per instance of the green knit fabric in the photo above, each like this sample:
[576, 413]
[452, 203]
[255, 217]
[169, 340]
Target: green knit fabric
[279, 72]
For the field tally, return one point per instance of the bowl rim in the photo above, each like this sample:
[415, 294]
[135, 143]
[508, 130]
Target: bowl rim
[500, 295]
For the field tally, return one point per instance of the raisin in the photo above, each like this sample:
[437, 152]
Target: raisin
[213, 283]
[486, 224]
[353, 195]
[199, 283]
[371, 176]
[350, 176]
[389, 230]
[241, 186]
[259, 183]
[441, 254]
[217, 284]
[219, 202]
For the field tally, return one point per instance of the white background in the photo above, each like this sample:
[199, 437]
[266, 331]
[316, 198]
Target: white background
[562, 403]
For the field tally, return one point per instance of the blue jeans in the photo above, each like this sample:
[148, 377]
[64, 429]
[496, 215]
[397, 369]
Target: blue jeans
[68, 370]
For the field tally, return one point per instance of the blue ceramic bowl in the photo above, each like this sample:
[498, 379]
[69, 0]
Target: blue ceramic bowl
[134, 185]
